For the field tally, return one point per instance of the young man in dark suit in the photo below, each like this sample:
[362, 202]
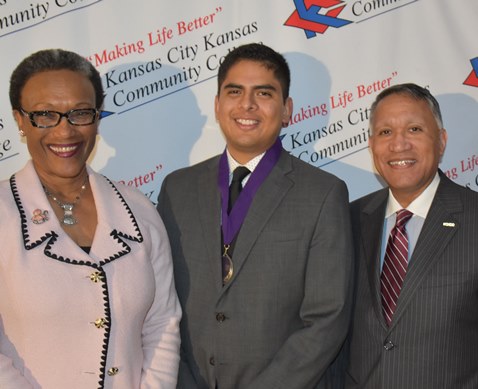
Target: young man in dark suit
[265, 284]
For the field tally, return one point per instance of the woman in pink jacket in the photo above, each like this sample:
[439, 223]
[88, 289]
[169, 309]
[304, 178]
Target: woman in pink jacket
[87, 297]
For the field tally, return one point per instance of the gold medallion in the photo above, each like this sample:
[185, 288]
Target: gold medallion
[227, 265]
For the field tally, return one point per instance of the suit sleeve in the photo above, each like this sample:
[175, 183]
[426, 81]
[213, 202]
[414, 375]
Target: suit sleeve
[326, 307]
[185, 377]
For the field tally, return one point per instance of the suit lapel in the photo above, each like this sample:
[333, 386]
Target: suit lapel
[371, 226]
[439, 228]
[116, 223]
[209, 200]
[266, 200]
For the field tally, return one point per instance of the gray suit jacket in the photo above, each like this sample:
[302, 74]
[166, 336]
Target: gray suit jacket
[283, 317]
[433, 340]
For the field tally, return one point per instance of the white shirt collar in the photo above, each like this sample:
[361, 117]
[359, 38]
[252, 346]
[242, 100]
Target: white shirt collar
[251, 165]
[420, 205]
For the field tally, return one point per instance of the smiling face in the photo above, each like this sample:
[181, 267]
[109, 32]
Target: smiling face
[250, 109]
[406, 144]
[62, 151]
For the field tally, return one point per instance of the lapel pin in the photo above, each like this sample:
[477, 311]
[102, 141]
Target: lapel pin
[39, 216]
[448, 224]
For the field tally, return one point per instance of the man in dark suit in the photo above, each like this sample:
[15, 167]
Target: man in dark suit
[265, 287]
[415, 323]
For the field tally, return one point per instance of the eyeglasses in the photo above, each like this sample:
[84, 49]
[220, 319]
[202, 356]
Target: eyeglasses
[76, 117]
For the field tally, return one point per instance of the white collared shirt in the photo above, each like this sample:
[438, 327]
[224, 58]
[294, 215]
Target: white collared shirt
[251, 165]
[419, 207]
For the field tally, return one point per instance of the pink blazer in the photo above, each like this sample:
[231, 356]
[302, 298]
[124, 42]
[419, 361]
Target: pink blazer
[68, 319]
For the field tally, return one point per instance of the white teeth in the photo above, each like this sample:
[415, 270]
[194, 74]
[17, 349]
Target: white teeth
[246, 122]
[64, 149]
[402, 162]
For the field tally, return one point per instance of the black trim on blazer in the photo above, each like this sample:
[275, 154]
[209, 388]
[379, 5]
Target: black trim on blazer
[52, 237]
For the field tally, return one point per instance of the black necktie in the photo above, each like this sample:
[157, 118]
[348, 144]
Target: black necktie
[235, 188]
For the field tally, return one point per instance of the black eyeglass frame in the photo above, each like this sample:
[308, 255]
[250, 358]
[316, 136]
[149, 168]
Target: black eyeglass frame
[31, 115]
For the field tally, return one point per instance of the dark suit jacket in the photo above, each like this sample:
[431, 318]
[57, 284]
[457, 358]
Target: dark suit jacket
[433, 340]
[283, 317]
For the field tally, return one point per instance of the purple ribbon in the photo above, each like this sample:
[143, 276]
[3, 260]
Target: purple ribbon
[232, 222]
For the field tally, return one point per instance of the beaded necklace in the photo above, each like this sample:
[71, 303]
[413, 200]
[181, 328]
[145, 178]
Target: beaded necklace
[68, 218]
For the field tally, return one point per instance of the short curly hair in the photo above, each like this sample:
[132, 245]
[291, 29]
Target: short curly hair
[52, 59]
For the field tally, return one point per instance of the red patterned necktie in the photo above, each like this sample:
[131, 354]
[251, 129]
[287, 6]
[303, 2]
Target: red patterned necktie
[394, 265]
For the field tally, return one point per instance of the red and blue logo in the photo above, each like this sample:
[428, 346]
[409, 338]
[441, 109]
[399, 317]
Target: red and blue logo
[472, 79]
[316, 16]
